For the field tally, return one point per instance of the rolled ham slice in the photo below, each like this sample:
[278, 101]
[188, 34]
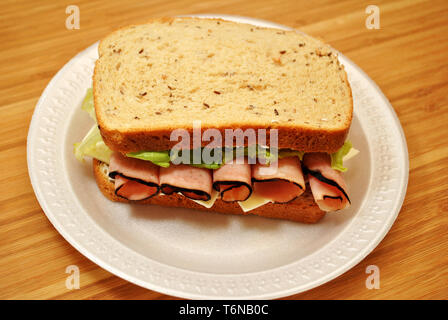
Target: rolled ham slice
[134, 179]
[327, 185]
[194, 183]
[133, 190]
[233, 181]
[281, 182]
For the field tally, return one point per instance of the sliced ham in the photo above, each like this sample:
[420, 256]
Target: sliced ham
[194, 183]
[233, 181]
[134, 179]
[133, 190]
[327, 185]
[281, 182]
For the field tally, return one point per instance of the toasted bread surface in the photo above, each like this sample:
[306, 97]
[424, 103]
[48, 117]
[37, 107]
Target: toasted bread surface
[303, 209]
[153, 78]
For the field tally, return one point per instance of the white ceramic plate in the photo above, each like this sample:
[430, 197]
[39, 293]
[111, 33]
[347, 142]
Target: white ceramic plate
[193, 254]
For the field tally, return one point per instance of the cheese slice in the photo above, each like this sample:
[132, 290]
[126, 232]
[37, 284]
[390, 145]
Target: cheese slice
[253, 202]
[352, 153]
[209, 203]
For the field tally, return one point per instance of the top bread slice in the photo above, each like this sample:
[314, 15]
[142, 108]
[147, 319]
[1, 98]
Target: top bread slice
[153, 78]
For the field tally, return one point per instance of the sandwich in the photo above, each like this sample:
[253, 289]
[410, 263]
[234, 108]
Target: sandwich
[167, 94]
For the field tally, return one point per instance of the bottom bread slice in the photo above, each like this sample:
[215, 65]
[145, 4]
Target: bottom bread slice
[303, 209]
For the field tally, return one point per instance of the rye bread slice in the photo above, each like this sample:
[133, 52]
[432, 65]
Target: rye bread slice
[156, 77]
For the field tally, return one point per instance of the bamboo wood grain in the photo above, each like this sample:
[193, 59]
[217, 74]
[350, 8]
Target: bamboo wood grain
[407, 58]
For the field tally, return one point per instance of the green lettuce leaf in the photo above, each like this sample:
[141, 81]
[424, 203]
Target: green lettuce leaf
[338, 157]
[92, 146]
[160, 158]
[213, 166]
[87, 104]
[283, 153]
[269, 156]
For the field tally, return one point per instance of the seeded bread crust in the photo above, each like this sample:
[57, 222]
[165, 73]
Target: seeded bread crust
[144, 88]
[303, 209]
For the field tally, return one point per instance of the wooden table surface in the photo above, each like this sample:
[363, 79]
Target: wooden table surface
[407, 57]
